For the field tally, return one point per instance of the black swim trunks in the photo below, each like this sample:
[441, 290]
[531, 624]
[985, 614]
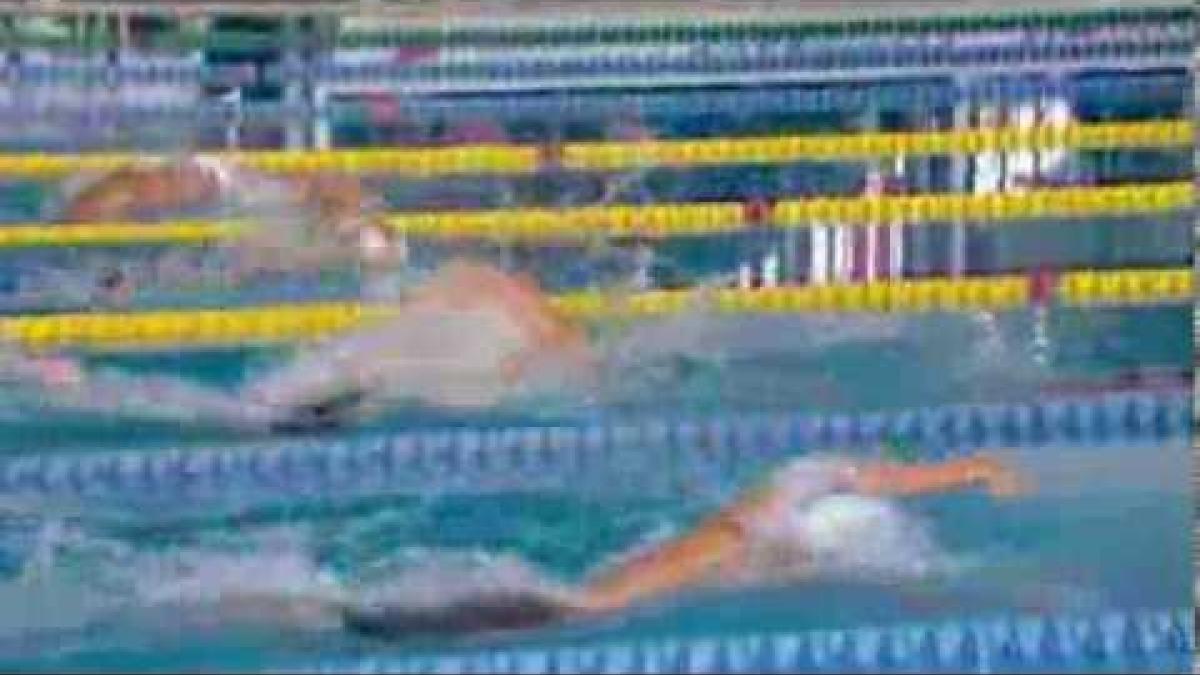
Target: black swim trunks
[328, 414]
[503, 611]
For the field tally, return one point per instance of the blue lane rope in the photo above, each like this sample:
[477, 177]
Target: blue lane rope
[638, 31]
[908, 95]
[818, 61]
[650, 454]
[1145, 641]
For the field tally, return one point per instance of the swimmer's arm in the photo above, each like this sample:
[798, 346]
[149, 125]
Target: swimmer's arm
[899, 480]
[464, 285]
[338, 198]
[717, 545]
[720, 543]
[122, 193]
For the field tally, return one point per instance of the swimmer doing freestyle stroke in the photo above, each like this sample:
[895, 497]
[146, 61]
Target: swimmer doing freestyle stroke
[466, 338]
[815, 518]
[809, 510]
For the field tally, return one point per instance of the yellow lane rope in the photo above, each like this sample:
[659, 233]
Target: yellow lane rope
[666, 220]
[113, 234]
[590, 156]
[661, 220]
[290, 323]
[783, 149]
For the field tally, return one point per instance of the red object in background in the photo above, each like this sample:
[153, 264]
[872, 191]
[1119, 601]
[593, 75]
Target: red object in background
[475, 131]
[759, 210]
[383, 108]
[1042, 282]
[550, 155]
[414, 53]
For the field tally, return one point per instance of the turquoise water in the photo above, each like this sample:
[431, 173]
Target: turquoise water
[1073, 548]
[702, 365]
[145, 586]
[96, 590]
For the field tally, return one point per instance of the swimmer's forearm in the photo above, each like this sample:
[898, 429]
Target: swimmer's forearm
[899, 480]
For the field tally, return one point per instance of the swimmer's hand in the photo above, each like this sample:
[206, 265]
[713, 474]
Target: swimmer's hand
[999, 479]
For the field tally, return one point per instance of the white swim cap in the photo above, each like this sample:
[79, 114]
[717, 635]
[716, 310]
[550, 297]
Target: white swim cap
[858, 535]
[376, 246]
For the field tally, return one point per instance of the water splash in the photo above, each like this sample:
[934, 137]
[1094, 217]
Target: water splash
[61, 386]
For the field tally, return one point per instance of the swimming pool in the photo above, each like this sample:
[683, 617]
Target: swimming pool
[142, 530]
[143, 542]
[703, 364]
[133, 595]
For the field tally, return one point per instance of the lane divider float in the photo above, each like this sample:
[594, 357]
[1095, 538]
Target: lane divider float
[624, 155]
[656, 221]
[286, 323]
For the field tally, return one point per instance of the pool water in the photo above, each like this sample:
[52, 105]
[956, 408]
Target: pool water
[1107, 530]
[148, 582]
[711, 365]
[133, 587]
[144, 584]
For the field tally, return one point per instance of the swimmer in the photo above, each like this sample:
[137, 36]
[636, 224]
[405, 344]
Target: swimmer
[810, 509]
[322, 218]
[468, 337]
